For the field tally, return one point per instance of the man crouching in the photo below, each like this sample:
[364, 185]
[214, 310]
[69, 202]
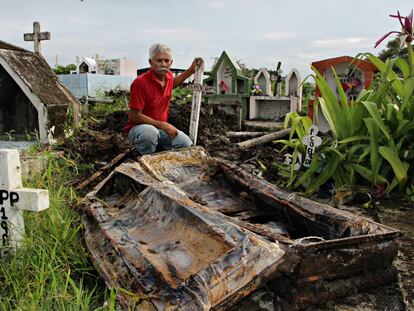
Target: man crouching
[147, 125]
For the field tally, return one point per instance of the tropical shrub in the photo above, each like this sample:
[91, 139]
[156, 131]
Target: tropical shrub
[372, 136]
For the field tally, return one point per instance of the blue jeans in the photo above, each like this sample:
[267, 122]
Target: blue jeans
[147, 138]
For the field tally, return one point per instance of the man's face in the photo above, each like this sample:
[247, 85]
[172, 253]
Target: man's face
[161, 63]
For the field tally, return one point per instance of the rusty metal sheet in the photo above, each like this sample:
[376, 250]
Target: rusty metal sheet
[182, 230]
[169, 252]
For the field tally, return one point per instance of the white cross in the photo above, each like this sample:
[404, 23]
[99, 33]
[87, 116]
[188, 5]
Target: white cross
[14, 199]
[36, 37]
[311, 141]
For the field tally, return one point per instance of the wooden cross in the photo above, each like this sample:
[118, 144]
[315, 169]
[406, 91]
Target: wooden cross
[14, 199]
[196, 103]
[36, 37]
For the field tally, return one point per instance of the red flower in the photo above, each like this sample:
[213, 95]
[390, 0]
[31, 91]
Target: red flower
[406, 32]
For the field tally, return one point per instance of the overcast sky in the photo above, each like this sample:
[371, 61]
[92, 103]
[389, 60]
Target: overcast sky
[257, 32]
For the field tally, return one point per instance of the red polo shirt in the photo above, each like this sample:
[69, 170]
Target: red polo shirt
[149, 97]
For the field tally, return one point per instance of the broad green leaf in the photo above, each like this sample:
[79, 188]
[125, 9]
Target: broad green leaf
[408, 91]
[391, 110]
[308, 174]
[391, 76]
[403, 66]
[330, 105]
[367, 174]
[353, 138]
[335, 150]
[400, 168]
[374, 155]
[287, 119]
[326, 173]
[374, 112]
[404, 127]
[344, 103]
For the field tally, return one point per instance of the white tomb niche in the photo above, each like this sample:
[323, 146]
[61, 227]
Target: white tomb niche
[262, 79]
[275, 108]
[14, 198]
[293, 89]
[224, 79]
[351, 79]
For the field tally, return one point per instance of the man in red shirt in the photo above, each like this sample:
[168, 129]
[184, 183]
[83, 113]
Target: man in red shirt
[147, 125]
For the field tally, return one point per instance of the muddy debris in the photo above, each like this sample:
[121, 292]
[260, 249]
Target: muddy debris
[102, 139]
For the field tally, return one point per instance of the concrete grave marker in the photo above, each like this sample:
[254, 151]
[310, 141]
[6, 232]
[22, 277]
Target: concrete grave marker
[14, 199]
[36, 37]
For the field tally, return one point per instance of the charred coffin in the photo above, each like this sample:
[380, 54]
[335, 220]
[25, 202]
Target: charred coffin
[180, 230]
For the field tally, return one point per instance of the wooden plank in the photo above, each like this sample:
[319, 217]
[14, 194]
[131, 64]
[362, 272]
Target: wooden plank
[196, 104]
[110, 166]
[244, 134]
[264, 139]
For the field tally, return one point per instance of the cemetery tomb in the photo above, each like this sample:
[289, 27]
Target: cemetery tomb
[87, 65]
[268, 107]
[354, 76]
[32, 100]
[231, 87]
[221, 234]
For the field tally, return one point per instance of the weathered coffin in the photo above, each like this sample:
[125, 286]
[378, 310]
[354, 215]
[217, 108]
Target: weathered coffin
[180, 230]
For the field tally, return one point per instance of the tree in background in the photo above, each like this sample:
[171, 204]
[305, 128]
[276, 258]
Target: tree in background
[394, 49]
[62, 70]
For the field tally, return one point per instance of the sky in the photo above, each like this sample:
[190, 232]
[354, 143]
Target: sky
[259, 33]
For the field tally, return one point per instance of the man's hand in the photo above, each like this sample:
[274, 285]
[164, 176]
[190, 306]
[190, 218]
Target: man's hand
[178, 80]
[193, 66]
[169, 129]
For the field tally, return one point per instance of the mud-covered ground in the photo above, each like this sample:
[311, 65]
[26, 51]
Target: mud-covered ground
[101, 140]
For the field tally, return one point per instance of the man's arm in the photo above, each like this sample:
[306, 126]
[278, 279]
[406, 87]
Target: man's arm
[178, 80]
[137, 117]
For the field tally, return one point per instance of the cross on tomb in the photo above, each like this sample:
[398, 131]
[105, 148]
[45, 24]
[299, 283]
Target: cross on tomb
[36, 37]
[14, 199]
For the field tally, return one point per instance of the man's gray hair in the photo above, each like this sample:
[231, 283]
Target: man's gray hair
[158, 48]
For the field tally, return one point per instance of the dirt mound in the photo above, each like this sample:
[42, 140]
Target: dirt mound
[102, 139]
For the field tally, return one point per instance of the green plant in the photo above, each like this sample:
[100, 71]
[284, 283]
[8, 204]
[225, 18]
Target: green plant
[51, 270]
[61, 70]
[372, 136]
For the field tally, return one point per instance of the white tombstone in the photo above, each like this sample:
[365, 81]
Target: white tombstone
[262, 79]
[293, 87]
[14, 199]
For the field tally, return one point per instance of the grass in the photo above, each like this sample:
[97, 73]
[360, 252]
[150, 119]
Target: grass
[51, 270]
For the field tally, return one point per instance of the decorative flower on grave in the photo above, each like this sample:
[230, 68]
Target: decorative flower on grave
[256, 90]
[406, 34]
[223, 87]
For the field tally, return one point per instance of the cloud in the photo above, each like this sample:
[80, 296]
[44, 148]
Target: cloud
[217, 4]
[275, 36]
[173, 34]
[351, 42]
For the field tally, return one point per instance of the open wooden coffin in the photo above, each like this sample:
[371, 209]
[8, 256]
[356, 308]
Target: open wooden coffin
[180, 230]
